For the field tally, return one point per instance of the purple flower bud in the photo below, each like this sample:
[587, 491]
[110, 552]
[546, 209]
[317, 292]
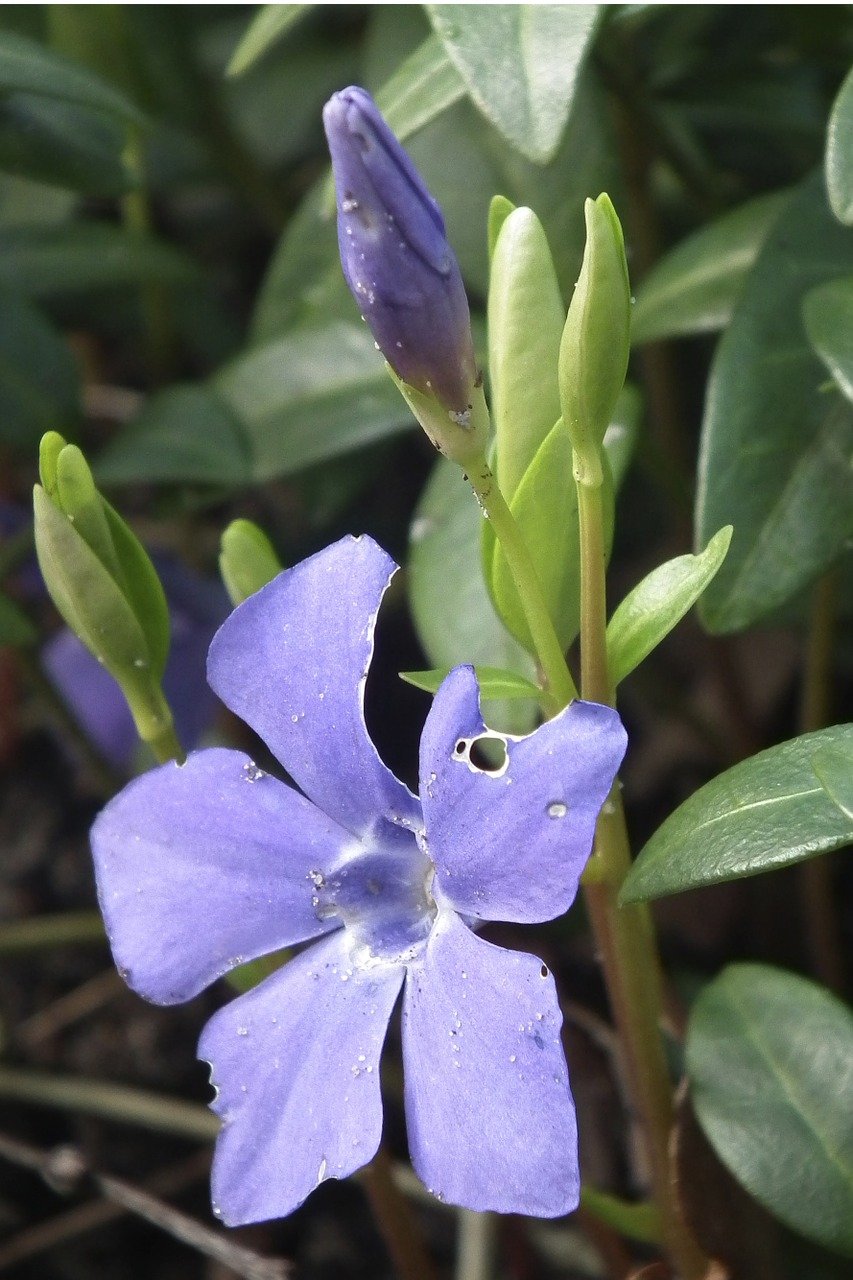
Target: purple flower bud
[395, 256]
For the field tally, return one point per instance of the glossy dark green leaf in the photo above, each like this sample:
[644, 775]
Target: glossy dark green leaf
[766, 812]
[39, 377]
[834, 769]
[538, 48]
[185, 434]
[694, 287]
[775, 449]
[828, 317]
[28, 67]
[494, 682]
[311, 395]
[770, 1065]
[43, 260]
[63, 144]
[15, 627]
[839, 154]
[658, 603]
[267, 26]
[454, 617]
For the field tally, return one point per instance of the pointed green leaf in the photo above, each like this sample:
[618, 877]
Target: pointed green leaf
[694, 287]
[184, 434]
[828, 317]
[64, 145]
[499, 210]
[494, 682]
[770, 1065]
[311, 395]
[766, 812]
[455, 619]
[79, 500]
[775, 457]
[545, 506]
[658, 603]
[269, 23]
[423, 86]
[40, 261]
[28, 67]
[839, 154]
[834, 769]
[538, 48]
[526, 317]
[39, 377]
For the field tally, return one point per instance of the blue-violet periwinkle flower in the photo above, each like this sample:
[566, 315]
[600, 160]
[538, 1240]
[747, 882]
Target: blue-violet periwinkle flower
[395, 255]
[204, 866]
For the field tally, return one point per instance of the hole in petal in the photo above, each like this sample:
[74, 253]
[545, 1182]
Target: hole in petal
[544, 971]
[486, 753]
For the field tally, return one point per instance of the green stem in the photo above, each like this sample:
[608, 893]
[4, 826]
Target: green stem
[152, 716]
[136, 216]
[548, 649]
[624, 935]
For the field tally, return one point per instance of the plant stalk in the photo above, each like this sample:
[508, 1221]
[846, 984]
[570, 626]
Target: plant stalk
[549, 651]
[624, 935]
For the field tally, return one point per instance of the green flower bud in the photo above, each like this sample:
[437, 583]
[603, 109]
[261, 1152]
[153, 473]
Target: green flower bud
[596, 339]
[102, 582]
[247, 560]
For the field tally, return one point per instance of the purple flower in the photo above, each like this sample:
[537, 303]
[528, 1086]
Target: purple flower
[207, 865]
[396, 259]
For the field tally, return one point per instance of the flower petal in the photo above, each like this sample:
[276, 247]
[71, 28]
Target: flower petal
[296, 1065]
[203, 866]
[292, 662]
[511, 844]
[489, 1112]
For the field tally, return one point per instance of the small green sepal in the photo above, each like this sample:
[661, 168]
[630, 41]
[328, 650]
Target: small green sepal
[462, 437]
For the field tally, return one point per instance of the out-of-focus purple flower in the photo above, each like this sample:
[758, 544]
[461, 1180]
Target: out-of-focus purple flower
[395, 255]
[204, 866]
[196, 608]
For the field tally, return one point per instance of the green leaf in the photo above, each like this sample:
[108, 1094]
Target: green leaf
[28, 67]
[765, 812]
[185, 434]
[494, 682]
[545, 506]
[834, 769]
[143, 591]
[455, 619]
[40, 261]
[658, 603]
[519, 63]
[423, 86]
[775, 457]
[638, 1221]
[311, 395]
[839, 154]
[828, 316]
[525, 317]
[770, 1064]
[15, 627]
[267, 26]
[694, 287]
[63, 144]
[39, 377]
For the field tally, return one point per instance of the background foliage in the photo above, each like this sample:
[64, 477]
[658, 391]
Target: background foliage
[171, 299]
